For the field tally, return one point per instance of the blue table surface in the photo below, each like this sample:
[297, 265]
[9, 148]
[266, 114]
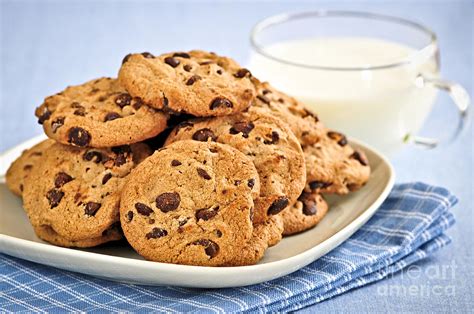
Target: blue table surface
[48, 45]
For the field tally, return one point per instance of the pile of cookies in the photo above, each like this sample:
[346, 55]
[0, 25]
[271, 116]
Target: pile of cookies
[186, 155]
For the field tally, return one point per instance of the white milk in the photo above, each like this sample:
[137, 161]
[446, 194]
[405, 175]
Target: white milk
[379, 107]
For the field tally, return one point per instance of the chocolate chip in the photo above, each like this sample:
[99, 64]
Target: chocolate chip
[138, 103]
[181, 224]
[360, 157]
[45, 115]
[315, 185]
[206, 62]
[187, 67]
[203, 135]
[21, 187]
[251, 183]
[123, 100]
[91, 208]
[80, 112]
[172, 62]
[242, 127]
[182, 125]
[264, 99]
[102, 98]
[182, 55]
[78, 136]
[220, 102]
[339, 137]
[120, 160]
[219, 71]
[211, 247]
[77, 197]
[129, 215]
[275, 137]
[308, 113]
[92, 155]
[106, 178]
[94, 91]
[237, 182]
[165, 102]
[192, 80]
[56, 124]
[151, 221]
[266, 91]
[125, 59]
[202, 173]
[309, 204]
[175, 163]
[27, 167]
[54, 196]
[111, 116]
[156, 233]
[242, 73]
[143, 209]
[168, 201]
[61, 179]
[147, 55]
[206, 213]
[278, 205]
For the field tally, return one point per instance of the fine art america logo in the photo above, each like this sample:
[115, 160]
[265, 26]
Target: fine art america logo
[439, 282]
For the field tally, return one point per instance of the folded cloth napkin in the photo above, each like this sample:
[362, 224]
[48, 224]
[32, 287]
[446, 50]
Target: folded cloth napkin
[406, 228]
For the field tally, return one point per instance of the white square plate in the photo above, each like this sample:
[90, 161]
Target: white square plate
[119, 262]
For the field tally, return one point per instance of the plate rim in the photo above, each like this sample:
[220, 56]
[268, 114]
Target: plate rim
[289, 264]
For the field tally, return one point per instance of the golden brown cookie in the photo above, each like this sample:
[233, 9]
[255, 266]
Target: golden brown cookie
[190, 203]
[72, 197]
[264, 235]
[304, 124]
[48, 234]
[195, 82]
[306, 213]
[333, 166]
[20, 169]
[270, 144]
[99, 113]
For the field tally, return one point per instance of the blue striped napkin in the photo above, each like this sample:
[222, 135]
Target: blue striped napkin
[408, 227]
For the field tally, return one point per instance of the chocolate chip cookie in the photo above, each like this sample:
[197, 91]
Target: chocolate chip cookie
[20, 169]
[304, 124]
[306, 213]
[72, 196]
[333, 166]
[190, 203]
[99, 113]
[48, 234]
[270, 144]
[264, 235]
[195, 82]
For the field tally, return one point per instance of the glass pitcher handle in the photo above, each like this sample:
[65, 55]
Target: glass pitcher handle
[461, 100]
